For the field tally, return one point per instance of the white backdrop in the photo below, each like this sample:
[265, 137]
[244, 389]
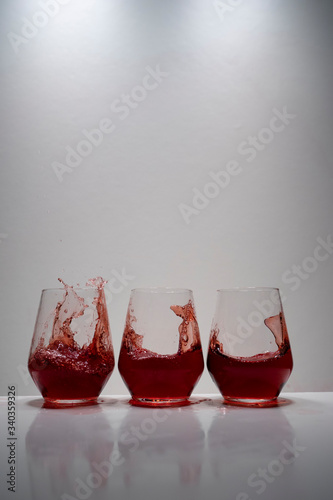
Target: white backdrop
[169, 143]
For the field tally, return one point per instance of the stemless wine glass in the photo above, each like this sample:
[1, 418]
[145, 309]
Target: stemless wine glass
[71, 356]
[161, 358]
[249, 356]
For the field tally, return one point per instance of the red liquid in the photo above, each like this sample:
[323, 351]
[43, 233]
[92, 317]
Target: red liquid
[63, 370]
[257, 377]
[161, 377]
[63, 373]
[149, 375]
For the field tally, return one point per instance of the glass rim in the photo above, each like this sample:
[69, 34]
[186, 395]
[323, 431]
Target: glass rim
[249, 289]
[75, 288]
[161, 289]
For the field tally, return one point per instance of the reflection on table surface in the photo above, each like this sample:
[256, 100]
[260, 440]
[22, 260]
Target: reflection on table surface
[63, 445]
[202, 451]
[240, 443]
[85, 450]
[168, 439]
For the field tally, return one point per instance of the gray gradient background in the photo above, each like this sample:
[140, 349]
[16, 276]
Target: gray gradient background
[119, 209]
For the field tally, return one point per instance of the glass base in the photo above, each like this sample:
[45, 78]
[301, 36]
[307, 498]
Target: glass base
[159, 403]
[67, 403]
[252, 402]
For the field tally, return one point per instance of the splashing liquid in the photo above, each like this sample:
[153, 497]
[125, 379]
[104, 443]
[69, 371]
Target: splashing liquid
[63, 370]
[153, 376]
[259, 377]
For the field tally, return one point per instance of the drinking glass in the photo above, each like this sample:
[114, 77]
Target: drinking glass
[71, 356]
[161, 358]
[249, 355]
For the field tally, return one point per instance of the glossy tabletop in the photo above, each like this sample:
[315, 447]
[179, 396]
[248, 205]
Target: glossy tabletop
[203, 451]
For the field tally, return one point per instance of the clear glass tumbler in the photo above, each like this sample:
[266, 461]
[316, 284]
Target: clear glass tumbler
[161, 357]
[71, 356]
[249, 355]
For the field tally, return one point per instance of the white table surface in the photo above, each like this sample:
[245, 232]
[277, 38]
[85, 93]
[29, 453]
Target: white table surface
[203, 451]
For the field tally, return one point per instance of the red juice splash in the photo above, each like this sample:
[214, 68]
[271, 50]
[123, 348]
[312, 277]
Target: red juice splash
[149, 375]
[63, 370]
[257, 377]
